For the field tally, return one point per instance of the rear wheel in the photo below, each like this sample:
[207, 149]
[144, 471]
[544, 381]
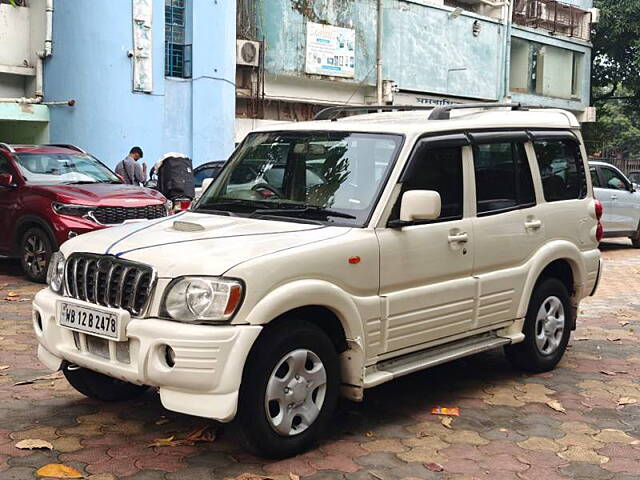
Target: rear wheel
[289, 390]
[98, 386]
[547, 328]
[635, 239]
[35, 253]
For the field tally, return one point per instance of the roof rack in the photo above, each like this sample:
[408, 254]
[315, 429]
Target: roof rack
[331, 113]
[65, 145]
[6, 146]
[444, 112]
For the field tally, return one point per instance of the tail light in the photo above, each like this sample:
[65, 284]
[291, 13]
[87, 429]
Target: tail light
[599, 228]
[180, 205]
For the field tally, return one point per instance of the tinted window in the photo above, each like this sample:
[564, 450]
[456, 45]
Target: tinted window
[4, 166]
[439, 170]
[209, 172]
[561, 169]
[612, 179]
[503, 177]
[595, 180]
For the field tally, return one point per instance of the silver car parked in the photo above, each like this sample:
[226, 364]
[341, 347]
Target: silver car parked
[620, 200]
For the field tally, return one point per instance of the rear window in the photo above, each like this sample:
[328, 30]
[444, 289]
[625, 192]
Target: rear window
[561, 169]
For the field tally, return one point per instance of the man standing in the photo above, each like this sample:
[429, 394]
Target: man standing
[130, 170]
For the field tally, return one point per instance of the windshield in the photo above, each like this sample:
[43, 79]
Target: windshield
[332, 177]
[48, 168]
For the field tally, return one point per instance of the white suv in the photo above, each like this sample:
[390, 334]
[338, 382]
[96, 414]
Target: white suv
[430, 237]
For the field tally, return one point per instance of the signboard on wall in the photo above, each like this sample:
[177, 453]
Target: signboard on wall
[330, 50]
[142, 46]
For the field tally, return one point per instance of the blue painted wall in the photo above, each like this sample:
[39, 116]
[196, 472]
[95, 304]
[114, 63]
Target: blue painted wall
[90, 64]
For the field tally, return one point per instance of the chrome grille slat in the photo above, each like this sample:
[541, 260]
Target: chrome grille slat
[109, 281]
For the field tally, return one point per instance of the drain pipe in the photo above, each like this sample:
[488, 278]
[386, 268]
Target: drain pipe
[48, 39]
[507, 50]
[379, 51]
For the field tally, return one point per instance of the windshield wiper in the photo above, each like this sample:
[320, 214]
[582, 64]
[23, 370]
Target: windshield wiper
[80, 182]
[327, 212]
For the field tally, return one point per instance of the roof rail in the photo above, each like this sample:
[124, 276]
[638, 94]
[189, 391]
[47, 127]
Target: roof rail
[6, 146]
[65, 145]
[444, 112]
[331, 113]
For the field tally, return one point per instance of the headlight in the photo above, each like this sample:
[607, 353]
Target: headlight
[206, 299]
[71, 209]
[55, 274]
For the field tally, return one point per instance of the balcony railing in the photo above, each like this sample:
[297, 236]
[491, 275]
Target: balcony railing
[553, 16]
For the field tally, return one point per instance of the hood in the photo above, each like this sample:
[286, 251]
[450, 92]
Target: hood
[199, 244]
[102, 194]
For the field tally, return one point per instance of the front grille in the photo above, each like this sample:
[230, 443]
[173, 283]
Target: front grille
[109, 281]
[116, 215]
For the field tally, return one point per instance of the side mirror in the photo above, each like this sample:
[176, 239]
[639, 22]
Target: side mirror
[420, 205]
[6, 180]
[206, 182]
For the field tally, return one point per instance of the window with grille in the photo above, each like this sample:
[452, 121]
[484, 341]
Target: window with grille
[177, 51]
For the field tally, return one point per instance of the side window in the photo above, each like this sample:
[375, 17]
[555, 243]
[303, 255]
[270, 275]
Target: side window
[5, 167]
[613, 179]
[561, 169]
[439, 170]
[595, 179]
[503, 177]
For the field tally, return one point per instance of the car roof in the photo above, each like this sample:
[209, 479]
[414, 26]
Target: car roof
[54, 149]
[417, 122]
[214, 163]
[601, 162]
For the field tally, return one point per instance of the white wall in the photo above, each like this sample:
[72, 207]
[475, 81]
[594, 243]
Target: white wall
[15, 33]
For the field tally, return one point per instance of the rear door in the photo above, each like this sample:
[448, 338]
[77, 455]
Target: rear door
[508, 228]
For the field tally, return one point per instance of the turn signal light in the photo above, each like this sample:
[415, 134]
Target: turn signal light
[180, 205]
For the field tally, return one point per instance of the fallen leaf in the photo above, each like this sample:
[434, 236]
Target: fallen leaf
[293, 476]
[446, 421]
[12, 294]
[606, 372]
[450, 411]
[203, 434]
[374, 475]
[556, 405]
[165, 442]
[4, 367]
[12, 299]
[58, 470]
[33, 444]
[434, 467]
[504, 430]
[623, 323]
[45, 378]
[627, 401]
[368, 434]
[580, 339]
[614, 339]
[162, 421]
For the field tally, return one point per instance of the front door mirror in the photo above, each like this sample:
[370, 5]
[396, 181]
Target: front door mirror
[6, 180]
[420, 205]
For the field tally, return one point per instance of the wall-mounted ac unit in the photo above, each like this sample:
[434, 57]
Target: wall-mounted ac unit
[247, 53]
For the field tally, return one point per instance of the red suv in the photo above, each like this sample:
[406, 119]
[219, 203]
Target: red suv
[50, 193]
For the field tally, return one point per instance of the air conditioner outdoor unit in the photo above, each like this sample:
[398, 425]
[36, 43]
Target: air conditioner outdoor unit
[247, 53]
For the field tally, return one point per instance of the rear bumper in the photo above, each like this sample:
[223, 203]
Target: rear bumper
[209, 360]
[598, 276]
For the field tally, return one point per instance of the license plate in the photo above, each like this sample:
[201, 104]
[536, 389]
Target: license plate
[90, 320]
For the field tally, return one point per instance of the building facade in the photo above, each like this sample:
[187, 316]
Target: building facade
[316, 53]
[23, 47]
[153, 73]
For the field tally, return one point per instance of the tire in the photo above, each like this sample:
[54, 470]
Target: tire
[290, 358]
[100, 387]
[35, 253]
[546, 339]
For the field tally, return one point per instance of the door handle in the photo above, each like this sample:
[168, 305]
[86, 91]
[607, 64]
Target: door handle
[459, 238]
[533, 224]
[614, 197]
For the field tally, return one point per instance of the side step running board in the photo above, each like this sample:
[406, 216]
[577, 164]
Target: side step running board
[413, 362]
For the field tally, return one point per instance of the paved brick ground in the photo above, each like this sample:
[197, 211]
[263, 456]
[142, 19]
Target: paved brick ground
[506, 429]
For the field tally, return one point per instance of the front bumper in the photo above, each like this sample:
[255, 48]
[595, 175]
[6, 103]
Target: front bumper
[209, 360]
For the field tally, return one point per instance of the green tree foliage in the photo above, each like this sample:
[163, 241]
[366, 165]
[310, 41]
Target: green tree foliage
[616, 80]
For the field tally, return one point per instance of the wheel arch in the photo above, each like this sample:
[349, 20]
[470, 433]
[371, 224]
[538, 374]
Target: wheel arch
[26, 222]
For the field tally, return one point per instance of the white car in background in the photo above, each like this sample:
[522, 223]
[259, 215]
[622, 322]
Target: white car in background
[620, 200]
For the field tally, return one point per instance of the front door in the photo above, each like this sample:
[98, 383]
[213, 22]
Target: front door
[425, 268]
[621, 207]
[8, 205]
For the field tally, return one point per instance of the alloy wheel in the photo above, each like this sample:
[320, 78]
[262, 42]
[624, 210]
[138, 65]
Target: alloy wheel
[550, 325]
[35, 255]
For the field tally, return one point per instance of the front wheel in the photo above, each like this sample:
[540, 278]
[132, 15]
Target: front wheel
[98, 386]
[547, 328]
[35, 253]
[289, 390]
